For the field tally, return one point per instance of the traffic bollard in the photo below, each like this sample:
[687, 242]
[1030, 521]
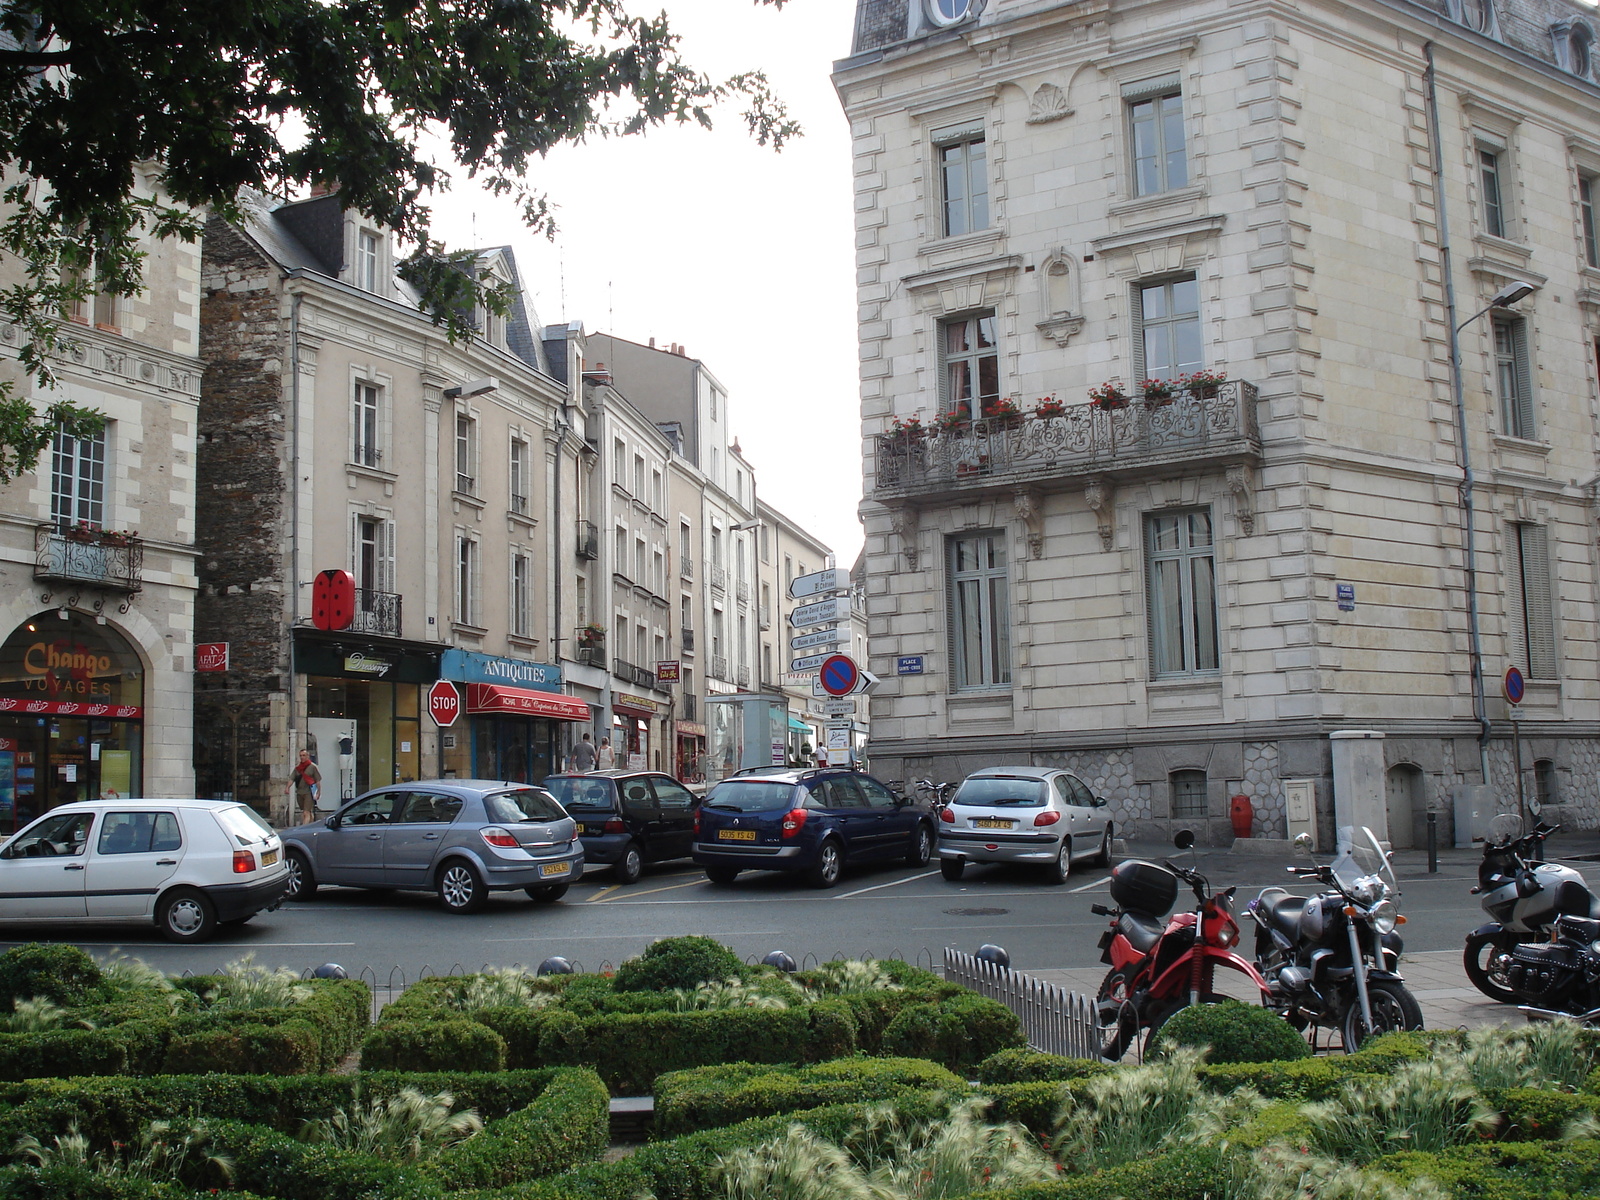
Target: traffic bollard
[1433, 843]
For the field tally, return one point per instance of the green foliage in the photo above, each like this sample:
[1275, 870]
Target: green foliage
[1426, 1105]
[60, 973]
[762, 992]
[246, 987]
[164, 1150]
[723, 1095]
[37, 1014]
[1542, 1054]
[1235, 1032]
[501, 987]
[959, 1032]
[1128, 1114]
[1021, 1065]
[1320, 1078]
[846, 975]
[432, 1046]
[1534, 1113]
[568, 1123]
[681, 962]
[1505, 1171]
[407, 1125]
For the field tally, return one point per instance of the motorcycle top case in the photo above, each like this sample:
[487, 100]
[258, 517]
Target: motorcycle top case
[1143, 887]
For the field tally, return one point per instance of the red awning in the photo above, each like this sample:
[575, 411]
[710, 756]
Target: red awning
[493, 698]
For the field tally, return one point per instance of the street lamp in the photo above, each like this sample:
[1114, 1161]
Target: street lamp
[1510, 294]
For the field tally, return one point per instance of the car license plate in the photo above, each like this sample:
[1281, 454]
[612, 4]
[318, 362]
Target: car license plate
[993, 823]
[736, 835]
[554, 869]
[587, 829]
[270, 857]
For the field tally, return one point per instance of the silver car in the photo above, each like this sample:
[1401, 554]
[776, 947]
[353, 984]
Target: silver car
[462, 838]
[1024, 815]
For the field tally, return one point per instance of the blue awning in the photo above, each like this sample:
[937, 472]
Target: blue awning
[796, 725]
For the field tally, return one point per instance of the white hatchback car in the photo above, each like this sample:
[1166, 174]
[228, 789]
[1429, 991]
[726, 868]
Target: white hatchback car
[186, 865]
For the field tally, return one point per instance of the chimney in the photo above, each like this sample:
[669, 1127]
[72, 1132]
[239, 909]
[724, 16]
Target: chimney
[652, 343]
[321, 187]
[599, 375]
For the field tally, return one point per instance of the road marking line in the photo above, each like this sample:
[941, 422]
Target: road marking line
[876, 886]
[630, 937]
[606, 895]
[1085, 887]
[196, 945]
[602, 893]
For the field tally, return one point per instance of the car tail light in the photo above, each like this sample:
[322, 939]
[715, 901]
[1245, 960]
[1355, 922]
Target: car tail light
[243, 862]
[496, 836]
[697, 824]
[615, 825]
[793, 822]
[1048, 817]
[948, 817]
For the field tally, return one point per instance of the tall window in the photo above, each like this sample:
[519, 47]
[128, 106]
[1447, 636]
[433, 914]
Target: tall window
[639, 575]
[744, 641]
[466, 454]
[364, 442]
[1591, 247]
[1168, 318]
[686, 618]
[658, 572]
[1545, 790]
[78, 480]
[1188, 791]
[657, 495]
[963, 179]
[1535, 612]
[1155, 136]
[619, 456]
[581, 600]
[619, 559]
[367, 252]
[641, 645]
[1513, 377]
[466, 580]
[1489, 177]
[519, 475]
[979, 612]
[373, 553]
[971, 360]
[1181, 564]
[638, 477]
[521, 595]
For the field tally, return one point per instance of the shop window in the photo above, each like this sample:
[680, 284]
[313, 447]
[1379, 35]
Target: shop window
[1180, 567]
[78, 480]
[978, 611]
[1188, 789]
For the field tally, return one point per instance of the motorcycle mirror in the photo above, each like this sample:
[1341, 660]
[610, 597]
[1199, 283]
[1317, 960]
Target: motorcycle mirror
[1303, 843]
[1184, 840]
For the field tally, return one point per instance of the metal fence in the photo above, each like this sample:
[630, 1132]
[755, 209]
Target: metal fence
[1055, 1020]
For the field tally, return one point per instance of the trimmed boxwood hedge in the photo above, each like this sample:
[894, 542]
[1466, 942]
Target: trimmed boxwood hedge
[567, 1124]
[705, 1097]
[427, 1045]
[1035, 1066]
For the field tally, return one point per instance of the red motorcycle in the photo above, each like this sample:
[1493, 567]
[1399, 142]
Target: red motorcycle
[1160, 965]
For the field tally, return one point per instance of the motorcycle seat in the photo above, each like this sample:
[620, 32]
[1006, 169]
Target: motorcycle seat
[1142, 931]
[1281, 910]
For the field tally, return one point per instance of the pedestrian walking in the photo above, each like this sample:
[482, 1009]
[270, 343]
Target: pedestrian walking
[608, 755]
[306, 780]
[581, 760]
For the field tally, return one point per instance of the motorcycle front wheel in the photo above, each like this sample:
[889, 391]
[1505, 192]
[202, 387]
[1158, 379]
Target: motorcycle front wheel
[1119, 1022]
[1393, 1008]
[1483, 968]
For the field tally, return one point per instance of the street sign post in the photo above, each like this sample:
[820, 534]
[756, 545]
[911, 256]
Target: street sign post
[818, 583]
[809, 663]
[822, 637]
[839, 674]
[444, 703]
[824, 612]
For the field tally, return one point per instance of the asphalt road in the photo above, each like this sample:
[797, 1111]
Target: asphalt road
[394, 938]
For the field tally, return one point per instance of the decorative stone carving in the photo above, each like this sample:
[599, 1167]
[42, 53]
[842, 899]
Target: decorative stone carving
[1049, 103]
[1059, 296]
[1097, 493]
[1031, 514]
[904, 522]
[1242, 483]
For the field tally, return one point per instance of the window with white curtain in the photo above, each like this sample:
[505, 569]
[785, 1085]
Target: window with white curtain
[1533, 606]
[1180, 563]
[978, 611]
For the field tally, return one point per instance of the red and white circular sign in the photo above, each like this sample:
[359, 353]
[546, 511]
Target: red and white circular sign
[444, 703]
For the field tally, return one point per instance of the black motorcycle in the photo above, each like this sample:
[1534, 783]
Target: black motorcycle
[1332, 960]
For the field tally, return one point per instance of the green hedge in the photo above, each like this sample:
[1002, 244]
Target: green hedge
[1533, 1114]
[433, 1045]
[1035, 1066]
[567, 1124]
[1318, 1078]
[706, 1097]
[1505, 1170]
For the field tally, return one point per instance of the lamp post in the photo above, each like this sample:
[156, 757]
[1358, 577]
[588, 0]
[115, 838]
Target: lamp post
[1504, 298]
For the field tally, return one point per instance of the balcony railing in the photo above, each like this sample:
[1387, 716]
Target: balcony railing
[633, 674]
[766, 616]
[377, 612]
[519, 504]
[719, 578]
[690, 711]
[588, 540]
[686, 568]
[592, 656]
[719, 666]
[467, 485]
[686, 639]
[91, 556]
[742, 591]
[367, 456]
[741, 676]
[999, 451]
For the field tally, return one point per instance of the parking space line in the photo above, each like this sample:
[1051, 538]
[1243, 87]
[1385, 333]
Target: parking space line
[631, 892]
[1085, 887]
[633, 937]
[602, 893]
[876, 886]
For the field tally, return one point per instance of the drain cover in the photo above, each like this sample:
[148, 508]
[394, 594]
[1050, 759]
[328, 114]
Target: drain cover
[976, 912]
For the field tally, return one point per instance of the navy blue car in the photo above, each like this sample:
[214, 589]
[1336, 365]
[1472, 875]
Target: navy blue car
[815, 822]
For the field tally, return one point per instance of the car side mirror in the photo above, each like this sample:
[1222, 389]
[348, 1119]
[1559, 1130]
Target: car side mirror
[333, 822]
[1302, 843]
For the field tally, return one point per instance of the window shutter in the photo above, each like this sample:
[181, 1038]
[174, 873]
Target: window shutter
[1137, 302]
[1539, 614]
[1519, 354]
[952, 618]
[355, 549]
[386, 557]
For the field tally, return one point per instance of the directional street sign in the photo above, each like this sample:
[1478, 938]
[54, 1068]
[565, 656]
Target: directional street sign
[865, 682]
[822, 637]
[824, 612]
[819, 583]
[809, 663]
[839, 674]
[838, 708]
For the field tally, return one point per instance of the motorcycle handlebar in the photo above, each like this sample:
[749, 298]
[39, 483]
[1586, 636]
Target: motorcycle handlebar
[1100, 910]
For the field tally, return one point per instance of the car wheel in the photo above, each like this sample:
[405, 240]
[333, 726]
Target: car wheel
[630, 866]
[185, 915]
[548, 893]
[460, 887]
[1103, 859]
[951, 868]
[721, 876]
[824, 872]
[921, 846]
[1062, 867]
[302, 884]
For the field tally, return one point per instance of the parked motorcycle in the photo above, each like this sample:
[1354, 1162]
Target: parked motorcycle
[1332, 960]
[1161, 965]
[1518, 890]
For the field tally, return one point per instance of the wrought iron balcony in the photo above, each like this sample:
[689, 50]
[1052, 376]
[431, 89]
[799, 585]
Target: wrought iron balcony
[99, 558]
[377, 612]
[766, 616]
[742, 591]
[719, 666]
[686, 568]
[519, 503]
[633, 674]
[741, 676]
[1194, 429]
[592, 656]
[686, 639]
[467, 485]
[719, 578]
[588, 540]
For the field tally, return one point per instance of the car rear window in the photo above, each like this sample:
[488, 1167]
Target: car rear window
[243, 824]
[751, 795]
[581, 795]
[1009, 790]
[525, 804]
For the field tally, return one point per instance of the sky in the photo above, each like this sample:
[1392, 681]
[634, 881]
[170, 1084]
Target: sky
[742, 255]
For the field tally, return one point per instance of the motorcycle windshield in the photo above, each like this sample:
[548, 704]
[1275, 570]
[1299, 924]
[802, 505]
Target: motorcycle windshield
[1360, 856]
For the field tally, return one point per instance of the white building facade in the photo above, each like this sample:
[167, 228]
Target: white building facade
[1280, 216]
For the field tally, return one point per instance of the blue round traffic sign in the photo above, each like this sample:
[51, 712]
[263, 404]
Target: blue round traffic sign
[1514, 685]
[839, 675]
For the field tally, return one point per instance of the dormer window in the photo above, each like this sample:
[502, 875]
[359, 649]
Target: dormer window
[1574, 43]
[1474, 14]
[369, 260]
[944, 13]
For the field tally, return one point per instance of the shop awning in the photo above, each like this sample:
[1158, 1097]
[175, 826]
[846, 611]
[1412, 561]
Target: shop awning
[796, 725]
[496, 698]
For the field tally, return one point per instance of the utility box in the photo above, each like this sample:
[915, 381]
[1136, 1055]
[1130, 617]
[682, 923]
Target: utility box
[1300, 808]
[1358, 781]
[1476, 805]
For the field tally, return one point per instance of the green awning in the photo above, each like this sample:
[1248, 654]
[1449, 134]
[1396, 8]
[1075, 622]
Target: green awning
[796, 725]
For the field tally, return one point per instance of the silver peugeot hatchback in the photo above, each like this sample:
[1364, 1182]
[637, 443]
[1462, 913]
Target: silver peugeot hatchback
[461, 838]
[1038, 815]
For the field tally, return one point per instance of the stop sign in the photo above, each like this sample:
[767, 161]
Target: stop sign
[444, 703]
